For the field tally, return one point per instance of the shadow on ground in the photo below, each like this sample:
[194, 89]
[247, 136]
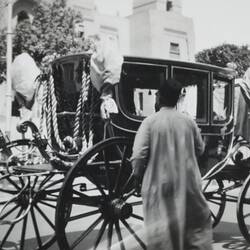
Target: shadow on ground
[228, 236]
[88, 243]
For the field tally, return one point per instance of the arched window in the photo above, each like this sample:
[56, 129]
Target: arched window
[21, 16]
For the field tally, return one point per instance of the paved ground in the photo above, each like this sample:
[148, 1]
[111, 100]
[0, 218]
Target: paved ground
[226, 235]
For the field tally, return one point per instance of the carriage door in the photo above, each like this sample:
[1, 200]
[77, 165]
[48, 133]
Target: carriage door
[194, 96]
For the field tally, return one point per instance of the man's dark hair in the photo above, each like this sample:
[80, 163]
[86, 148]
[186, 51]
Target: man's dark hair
[169, 92]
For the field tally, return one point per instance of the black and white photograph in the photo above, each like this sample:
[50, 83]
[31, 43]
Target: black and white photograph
[124, 125]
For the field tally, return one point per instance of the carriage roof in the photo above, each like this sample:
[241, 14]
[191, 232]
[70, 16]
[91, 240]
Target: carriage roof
[225, 72]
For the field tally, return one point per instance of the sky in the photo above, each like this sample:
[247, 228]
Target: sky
[215, 21]
[219, 21]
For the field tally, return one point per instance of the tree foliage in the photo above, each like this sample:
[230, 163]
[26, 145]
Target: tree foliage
[225, 53]
[51, 32]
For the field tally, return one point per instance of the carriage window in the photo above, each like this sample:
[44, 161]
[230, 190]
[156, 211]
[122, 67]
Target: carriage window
[220, 100]
[194, 98]
[139, 84]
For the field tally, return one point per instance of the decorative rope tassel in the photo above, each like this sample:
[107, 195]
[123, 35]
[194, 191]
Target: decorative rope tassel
[54, 115]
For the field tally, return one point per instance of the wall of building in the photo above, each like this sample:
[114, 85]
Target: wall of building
[172, 36]
[158, 32]
[115, 27]
[140, 34]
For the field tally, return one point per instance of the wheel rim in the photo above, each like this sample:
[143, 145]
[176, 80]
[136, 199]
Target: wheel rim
[243, 210]
[216, 198]
[35, 206]
[107, 207]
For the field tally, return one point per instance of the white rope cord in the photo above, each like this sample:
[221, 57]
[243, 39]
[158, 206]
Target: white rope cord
[85, 81]
[43, 107]
[54, 115]
[91, 118]
[48, 114]
[78, 115]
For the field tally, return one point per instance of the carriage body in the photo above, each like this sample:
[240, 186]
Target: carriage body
[208, 98]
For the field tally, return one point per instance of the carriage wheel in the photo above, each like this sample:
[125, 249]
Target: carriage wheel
[97, 207]
[216, 198]
[27, 203]
[243, 209]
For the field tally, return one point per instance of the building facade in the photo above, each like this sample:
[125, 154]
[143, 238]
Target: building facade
[154, 28]
[158, 29]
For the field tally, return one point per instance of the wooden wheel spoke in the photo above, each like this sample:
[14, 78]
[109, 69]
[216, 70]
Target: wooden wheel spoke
[110, 232]
[213, 215]
[85, 199]
[35, 182]
[52, 191]
[9, 212]
[129, 194]
[53, 184]
[21, 181]
[207, 184]
[23, 233]
[13, 184]
[9, 230]
[53, 199]
[120, 168]
[215, 202]
[100, 233]
[246, 201]
[45, 217]
[141, 243]
[119, 235]
[95, 182]
[38, 237]
[84, 215]
[107, 172]
[137, 217]
[86, 233]
[136, 203]
[246, 215]
[127, 182]
[12, 192]
[45, 180]
[47, 204]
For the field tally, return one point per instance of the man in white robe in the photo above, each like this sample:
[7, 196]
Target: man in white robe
[167, 143]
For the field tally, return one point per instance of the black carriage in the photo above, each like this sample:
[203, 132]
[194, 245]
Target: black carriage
[90, 186]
